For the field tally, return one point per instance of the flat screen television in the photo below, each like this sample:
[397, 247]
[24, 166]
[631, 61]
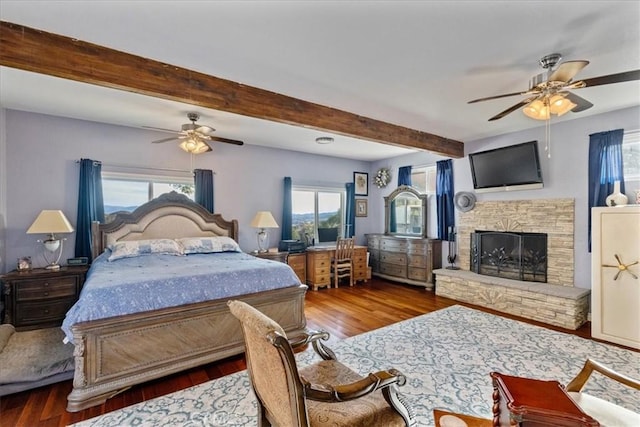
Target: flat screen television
[516, 167]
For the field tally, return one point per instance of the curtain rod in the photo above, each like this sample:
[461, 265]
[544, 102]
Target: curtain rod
[115, 165]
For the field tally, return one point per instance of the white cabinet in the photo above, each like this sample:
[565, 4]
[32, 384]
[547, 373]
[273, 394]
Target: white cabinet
[615, 274]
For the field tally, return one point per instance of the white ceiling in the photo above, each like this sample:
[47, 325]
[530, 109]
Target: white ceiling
[411, 63]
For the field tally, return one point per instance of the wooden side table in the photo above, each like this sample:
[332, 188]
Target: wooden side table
[526, 402]
[274, 256]
[40, 298]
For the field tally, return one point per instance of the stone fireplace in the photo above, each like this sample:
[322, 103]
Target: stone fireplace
[553, 217]
[505, 225]
[519, 256]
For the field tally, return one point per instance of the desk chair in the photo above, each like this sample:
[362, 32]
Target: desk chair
[342, 262]
[323, 394]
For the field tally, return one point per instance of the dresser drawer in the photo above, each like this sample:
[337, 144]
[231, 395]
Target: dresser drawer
[417, 261]
[419, 274]
[38, 289]
[421, 248]
[393, 245]
[393, 269]
[42, 312]
[393, 258]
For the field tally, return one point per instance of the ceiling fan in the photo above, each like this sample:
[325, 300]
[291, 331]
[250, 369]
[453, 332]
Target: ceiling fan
[550, 92]
[193, 136]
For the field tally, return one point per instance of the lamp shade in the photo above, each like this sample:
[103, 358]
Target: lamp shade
[264, 219]
[50, 221]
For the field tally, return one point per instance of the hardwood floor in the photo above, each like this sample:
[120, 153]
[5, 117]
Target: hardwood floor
[343, 312]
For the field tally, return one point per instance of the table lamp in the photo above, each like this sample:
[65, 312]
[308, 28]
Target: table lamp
[263, 220]
[51, 222]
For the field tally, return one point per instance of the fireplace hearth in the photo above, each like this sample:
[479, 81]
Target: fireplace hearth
[512, 255]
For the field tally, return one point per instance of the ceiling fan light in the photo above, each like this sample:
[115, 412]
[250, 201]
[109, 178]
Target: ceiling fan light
[536, 110]
[560, 105]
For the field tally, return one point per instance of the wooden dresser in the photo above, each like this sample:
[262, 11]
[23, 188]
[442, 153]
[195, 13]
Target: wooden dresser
[40, 298]
[405, 259]
[319, 265]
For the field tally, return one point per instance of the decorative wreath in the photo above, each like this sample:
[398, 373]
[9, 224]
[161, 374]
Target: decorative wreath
[382, 178]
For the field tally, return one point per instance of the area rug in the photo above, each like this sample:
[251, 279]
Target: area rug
[446, 355]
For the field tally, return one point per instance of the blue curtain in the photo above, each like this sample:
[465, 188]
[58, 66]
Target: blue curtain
[605, 167]
[404, 175]
[90, 204]
[287, 210]
[444, 198]
[204, 188]
[350, 210]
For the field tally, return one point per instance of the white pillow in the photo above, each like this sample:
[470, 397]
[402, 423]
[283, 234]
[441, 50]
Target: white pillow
[207, 245]
[134, 248]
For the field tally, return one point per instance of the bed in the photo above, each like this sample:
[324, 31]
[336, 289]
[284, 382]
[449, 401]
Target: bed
[116, 350]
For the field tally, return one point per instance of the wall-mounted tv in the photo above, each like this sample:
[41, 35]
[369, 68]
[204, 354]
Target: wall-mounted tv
[516, 167]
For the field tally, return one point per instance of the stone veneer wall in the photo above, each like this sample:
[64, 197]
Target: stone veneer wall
[552, 216]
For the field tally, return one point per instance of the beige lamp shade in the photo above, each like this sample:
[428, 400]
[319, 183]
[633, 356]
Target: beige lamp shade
[264, 219]
[49, 222]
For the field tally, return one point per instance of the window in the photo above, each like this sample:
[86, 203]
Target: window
[631, 156]
[423, 179]
[126, 191]
[318, 214]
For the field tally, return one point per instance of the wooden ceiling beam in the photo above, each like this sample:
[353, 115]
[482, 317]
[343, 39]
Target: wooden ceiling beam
[60, 56]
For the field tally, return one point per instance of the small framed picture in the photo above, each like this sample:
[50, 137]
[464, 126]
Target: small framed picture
[361, 207]
[24, 263]
[361, 183]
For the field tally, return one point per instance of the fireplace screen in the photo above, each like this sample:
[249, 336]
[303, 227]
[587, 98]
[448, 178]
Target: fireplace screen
[518, 256]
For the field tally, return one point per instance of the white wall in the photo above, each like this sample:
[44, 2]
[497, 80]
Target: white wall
[3, 189]
[42, 173]
[565, 174]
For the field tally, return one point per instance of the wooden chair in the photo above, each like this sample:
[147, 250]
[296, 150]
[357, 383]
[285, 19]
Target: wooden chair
[342, 262]
[326, 393]
[606, 413]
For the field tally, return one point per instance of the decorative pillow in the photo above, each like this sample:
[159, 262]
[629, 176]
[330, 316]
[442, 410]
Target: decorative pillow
[134, 248]
[207, 245]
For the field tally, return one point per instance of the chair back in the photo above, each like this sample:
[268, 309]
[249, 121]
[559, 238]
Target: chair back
[274, 379]
[344, 249]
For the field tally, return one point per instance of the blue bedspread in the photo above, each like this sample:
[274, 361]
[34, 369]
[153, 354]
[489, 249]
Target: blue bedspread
[133, 285]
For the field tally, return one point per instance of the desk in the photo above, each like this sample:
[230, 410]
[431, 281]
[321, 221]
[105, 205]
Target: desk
[319, 265]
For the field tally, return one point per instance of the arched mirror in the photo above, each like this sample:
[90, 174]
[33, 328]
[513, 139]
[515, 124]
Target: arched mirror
[405, 212]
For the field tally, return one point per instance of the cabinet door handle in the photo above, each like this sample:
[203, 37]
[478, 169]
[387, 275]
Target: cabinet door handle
[46, 294]
[46, 283]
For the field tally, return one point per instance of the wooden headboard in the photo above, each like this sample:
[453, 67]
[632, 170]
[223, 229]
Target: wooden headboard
[170, 216]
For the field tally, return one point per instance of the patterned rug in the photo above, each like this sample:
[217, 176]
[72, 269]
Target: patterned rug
[446, 356]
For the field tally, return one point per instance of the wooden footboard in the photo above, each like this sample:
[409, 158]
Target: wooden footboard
[113, 354]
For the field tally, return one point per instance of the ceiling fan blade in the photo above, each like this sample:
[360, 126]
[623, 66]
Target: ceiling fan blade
[512, 109]
[567, 70]
[219, 139]
[496, 97]
[581, 103]
[613, 78]
[161, 129]
[166, 139]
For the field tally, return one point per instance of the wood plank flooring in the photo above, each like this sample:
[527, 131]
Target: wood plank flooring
[343, 312]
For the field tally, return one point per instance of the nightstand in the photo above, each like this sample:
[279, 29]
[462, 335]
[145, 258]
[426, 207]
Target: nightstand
[40, 298]
[274, 256]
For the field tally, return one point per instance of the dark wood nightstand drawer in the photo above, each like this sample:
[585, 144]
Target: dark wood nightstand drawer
[38, 289]
[42, 312]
